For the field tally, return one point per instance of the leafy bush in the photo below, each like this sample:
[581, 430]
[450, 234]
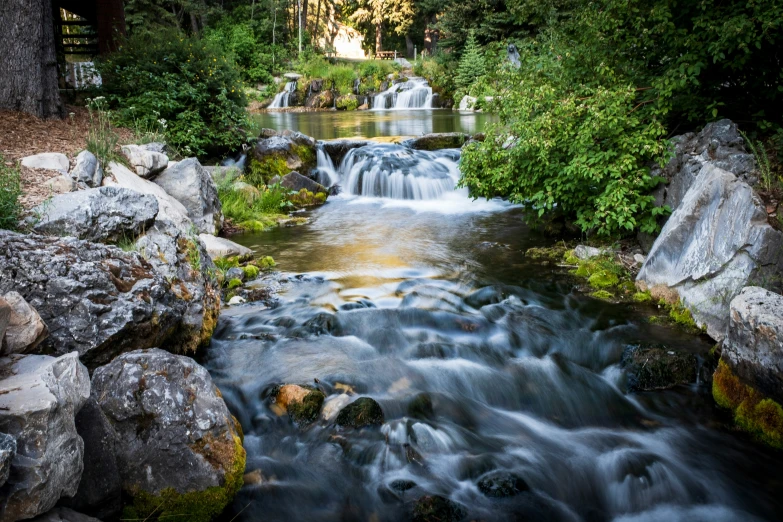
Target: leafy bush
[10, 192]
[564, 141]
[252, 213]
[374, 72]
[185, 83]
[342, 78]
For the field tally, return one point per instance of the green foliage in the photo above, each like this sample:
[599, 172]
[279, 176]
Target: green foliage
[267, 262]
[471, 65]
[234, 283]
[252, 56]
[252, 213]
[226, 263]
[101, 138]
[251, 271]
[573, 135]
[186, 84]
[642, 297]
[766, 178]
[681, 315]
[10, 192]
[347, 103]
[373, 73]
[261, 172]
[342, 79]
[305, 198]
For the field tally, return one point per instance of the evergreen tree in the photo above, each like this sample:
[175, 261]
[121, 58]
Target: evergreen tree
[471, 65]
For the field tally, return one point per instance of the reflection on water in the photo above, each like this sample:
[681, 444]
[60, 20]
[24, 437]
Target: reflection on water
[432, 303]
[329, 125]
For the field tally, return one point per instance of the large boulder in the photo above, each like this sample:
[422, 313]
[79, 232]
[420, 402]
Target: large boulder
[145, 161]
[5, 319]
[279, 155]
[715, 243]
[754, 345]
[218, 247]
[337, 149]
[87, 169]
[179, 448]
[171, 213]
[190, 184]
[7, 454]
[320, 100]
[100, 488]
[47, 161]
[25, 328]
[438, 141]
[39, 400]
[296, 182]
[95, 299]
[105, 214]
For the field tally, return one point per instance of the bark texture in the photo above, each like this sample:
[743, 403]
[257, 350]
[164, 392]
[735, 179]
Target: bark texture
[28, 61]
[111, 24]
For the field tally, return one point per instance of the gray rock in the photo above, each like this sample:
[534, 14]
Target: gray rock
[7, 454]
[61, 184]
[100, 488]
[439, 140]
[292, 76]
[235, 273]
[26, 330]
[587, 252]
[105, 214]
[337, 149]
[63, 514]
[154, 146]
[467, 103]
[754, 345]
[296, 149]
[38, 403]
[218, 247]
[190, 184]
[87, 169]
[95, 299]
[639, 259]
[5, 319]
[236, 300]
[712, 246]
[173, 427]
[171, 213]
[145, 163]
[219, 173]
[296, 182]
[47, 161]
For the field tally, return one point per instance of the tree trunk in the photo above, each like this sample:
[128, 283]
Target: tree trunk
[315, 27]
[28, 60]
[304, 15]
[194, 23]
[378, 36]
[111, 24]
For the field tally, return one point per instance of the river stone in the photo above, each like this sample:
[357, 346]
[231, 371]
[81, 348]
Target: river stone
[7, 453]
[502, 484]
[171, 213]
[434, 508]
[715, 243]
[105, 214]
[754, 345]
[95, 299]
[363, 412]
[656, 367]
[175, 434]
[100, 488]
[47, 161]
[585, 252]
[182, 258]
[63, 514]
[302, 403]
[190, 184]
[439, 140]
[38, 403]
[296, 182]
[25, 330]
[218, 247]
[337, 149]
[87, 169]
[294, 149]
[61, 184]
[145, 163]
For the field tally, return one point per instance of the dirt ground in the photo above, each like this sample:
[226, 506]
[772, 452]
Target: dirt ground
[24, 135]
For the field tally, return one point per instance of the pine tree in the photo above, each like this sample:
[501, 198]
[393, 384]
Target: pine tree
[471, 65]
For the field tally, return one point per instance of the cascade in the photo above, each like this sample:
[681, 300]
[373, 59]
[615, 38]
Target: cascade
[392, 171]
[281, 98]
[413, 94]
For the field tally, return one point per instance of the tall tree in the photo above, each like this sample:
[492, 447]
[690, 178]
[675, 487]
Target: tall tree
[28, 59]
[397, 13]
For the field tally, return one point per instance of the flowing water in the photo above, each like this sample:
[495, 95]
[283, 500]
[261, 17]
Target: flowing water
[406, 291]
[412, 94]
[281, 98]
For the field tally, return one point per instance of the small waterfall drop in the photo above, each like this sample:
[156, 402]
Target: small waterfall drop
[413, 94]
[281, 98]
[392, 171]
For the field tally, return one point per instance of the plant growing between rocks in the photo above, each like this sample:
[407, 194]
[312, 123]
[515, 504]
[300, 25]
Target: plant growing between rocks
[10, 192]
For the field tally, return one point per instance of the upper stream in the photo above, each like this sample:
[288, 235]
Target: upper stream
[405, 300]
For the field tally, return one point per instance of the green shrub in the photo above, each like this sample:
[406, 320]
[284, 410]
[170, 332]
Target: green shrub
[342, 78]
[234, 283]
[10, 192]
[186, 84]
[253, 213]
[471, 65]
[267, 262]
[347, 103]
[102, 140]
[251, 271]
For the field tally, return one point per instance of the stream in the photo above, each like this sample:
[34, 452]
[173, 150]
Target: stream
[405, 290]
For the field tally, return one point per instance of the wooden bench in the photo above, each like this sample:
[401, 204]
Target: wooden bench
[386, 55]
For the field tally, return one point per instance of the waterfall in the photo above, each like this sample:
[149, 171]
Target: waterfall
[281, 98]
[413, 94]
[392, 171]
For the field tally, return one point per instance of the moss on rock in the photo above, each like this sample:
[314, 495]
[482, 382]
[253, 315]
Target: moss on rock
[194, 506]
[753, 412]
[260, 172]
[656, 367]
[546, 255]
[361, 413]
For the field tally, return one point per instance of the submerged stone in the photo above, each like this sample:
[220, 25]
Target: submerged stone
[501, 484]
[361, 413]
[302, 403]
[434, 508]
[655, 367]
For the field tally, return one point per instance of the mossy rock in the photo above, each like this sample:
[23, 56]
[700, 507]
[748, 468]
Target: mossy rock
[348, 102]
[603, 295]
[195, 506]
[251, 271]
[546, 255]
[361, 413]
[439, 141]
[420, 407]
[753, 411]
[502, 484]
[302, 403]
[656, 367]
[434, 508]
